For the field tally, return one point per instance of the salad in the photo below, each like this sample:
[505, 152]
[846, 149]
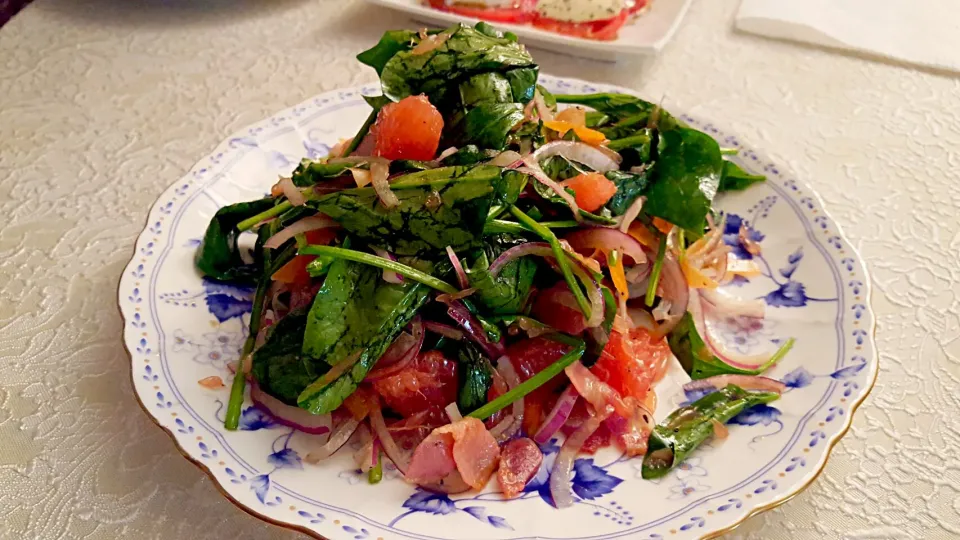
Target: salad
[486, 266]
[599, 20]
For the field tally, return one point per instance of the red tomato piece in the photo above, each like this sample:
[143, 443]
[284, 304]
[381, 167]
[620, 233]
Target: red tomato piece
[520, 460]
[521, 11]
[295, 271]
[601, 30]
[631, 363]
[558, 308]
[429, 382]
[592, 190]
[409, 129]
[530, 357]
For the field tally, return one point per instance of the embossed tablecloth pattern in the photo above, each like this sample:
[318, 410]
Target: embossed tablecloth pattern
[104, 103]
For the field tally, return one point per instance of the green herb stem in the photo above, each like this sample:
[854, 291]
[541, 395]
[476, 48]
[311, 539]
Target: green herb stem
[252, 222]
[655, 274]
[231, 419]
[376, 473]
[777, 356]
[530, 384]
[358, 138]
[729, 151]
[502, 226]
[634, 140]
[380, 262]
[561, 256]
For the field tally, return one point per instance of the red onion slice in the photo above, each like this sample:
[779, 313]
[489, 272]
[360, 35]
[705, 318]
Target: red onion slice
[459, 313]
[508, 159]
[388, 276]
[361, 176]
[453, 412]
[443, 155]
[533, 169]
[458, 268]
[337, 439]
[561, 485]
[631, 214]
[558, 416]
[291, 192]
[747, 382]
[288, 415]
[510, 426]
[401, 352]
[379, 175]
[599, 160]
[735, 359]
[307, 224]
[390, 448]
[514, 253]
[607, 239]
[543, 111]
[732, 306]
[674, 289]
[444, 330]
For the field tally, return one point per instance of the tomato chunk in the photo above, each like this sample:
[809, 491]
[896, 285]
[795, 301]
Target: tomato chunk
[632, 363]
[593, 190]
[429, 382]
[518, 12]
[530, 357]
[557, 307]
[295, 271]
[601, 30]
[409, 129]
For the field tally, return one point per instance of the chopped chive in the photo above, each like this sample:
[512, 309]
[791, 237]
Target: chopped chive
[380, 262]
[634, 140]
[530, 384]
[655, 274]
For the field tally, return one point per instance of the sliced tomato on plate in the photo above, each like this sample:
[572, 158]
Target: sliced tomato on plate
[600, 30]
[517, 12]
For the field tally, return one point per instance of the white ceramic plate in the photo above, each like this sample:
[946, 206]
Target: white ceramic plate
[644, 35]
[180, 328]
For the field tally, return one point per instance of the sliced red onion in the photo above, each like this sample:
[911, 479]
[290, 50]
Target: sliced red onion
[288, 415]
[429, 43]
[542, 110]
[731, 306]
[674, 289]
[400, 354]
[533, 169]
[508, 159]
[599, 160]
[747, 382]
[459, 313]
[642, 319]
[732, 358]
[388, 276]
[453, 412]
[607, 240]
[444, 330]
[307, 224]
[291, 192]
[558, 416]
[631, 214]
[561, 485]
[390, 448]
[458, 268]
[510, 426]
[459, 295]
[337, 439]
[379, 174]
[530, 248]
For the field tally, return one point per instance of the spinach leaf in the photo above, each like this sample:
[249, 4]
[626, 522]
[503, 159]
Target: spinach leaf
[523, 83]
[218, 256]
[597, 120]
[684, 178]
[733, 178]
[475, 378]
[392, 42]
[466, 155]
[636, 147]
[438, 208]
[466, 52]
[630, 111]
[354, 318]
[310, 172]
[693, 354]
[488, 125]
[278, 366]
[548, 98]
[490, 87]
[629, 187]
[560, 168]
[508, 292]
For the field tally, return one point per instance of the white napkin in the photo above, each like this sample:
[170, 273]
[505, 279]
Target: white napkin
[924, 32]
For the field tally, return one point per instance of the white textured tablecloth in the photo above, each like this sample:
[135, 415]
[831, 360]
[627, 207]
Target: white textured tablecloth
[105, 103]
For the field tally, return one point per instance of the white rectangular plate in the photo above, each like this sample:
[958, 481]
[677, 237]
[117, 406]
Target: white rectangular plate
[644, 35]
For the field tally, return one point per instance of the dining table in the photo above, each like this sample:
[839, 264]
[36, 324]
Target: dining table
[105, 103]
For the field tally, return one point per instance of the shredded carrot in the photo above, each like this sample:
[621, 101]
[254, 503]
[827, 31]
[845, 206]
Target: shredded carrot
[695, 277]
[642, 234]
[662, 225]
[618, 276]
[585, 134]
